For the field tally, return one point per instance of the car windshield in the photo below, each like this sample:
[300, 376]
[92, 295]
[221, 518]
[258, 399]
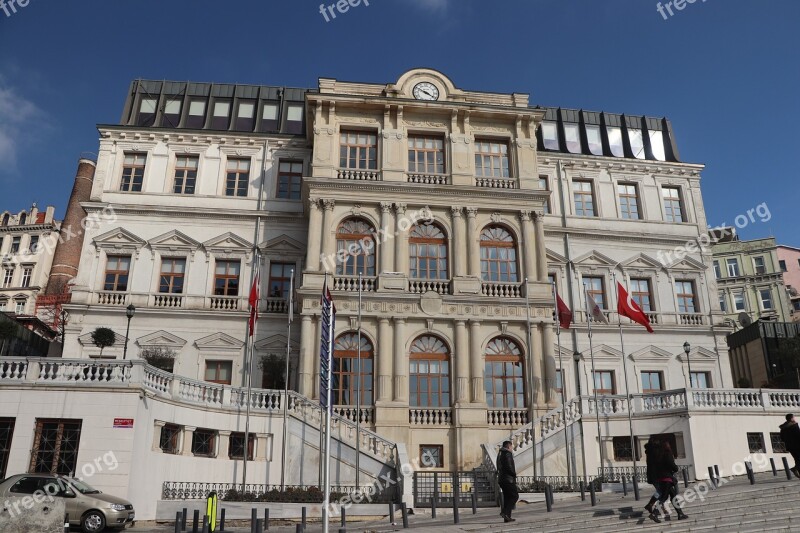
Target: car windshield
[82, 487]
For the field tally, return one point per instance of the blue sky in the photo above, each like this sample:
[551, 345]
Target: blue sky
[726, 72]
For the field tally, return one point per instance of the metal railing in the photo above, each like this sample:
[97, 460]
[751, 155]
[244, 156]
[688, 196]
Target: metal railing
[556, 483]
[180, 490]
[614, 474]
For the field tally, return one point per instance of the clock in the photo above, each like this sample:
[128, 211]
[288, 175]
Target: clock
[426, 91]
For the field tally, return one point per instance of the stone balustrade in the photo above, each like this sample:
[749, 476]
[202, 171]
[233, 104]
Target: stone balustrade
[501, 290]
[429, 179]
[356, 174]
[430, 416]
[506, 417]
[421, 286]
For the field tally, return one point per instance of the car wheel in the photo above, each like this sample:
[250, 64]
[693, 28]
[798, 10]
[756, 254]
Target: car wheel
[93, 522]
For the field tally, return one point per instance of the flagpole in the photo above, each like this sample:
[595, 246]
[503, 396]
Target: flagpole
[286, 378]
[249, 368]
[532, 379]
[327, 485]
[561, 370]
[625, 371]
[594, 380]
[358, 391]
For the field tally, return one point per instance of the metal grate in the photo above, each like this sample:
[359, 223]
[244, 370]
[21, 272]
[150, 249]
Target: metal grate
[441, 487]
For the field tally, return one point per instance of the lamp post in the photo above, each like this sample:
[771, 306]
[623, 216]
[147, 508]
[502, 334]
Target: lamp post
[63, 316]
[129, 312]
[687, 348]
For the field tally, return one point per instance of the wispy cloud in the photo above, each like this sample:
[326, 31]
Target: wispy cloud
[17, 114]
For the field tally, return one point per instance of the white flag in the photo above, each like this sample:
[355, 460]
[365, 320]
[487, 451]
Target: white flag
[594, 309]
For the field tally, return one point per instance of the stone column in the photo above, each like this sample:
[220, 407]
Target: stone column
[314, 235]
[159, 426]
[476, 362]
[383, 246]
[224, 441]
[188, 435]
[473, 244]
[306, 355]
[385, 347]
[400, 361]
[529, 250]
[541, 249]
[458, 245]
[401, 240]
[460, 362]
[328, 231]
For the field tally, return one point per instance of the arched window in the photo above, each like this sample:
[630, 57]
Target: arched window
[427, 249]
[5, 220]
[498, 255]
[355, 245]
[346, 372]
[429, 379]
[504, 375]
[23, 219]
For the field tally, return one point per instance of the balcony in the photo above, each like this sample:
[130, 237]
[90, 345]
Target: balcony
[111, 298]
[224, 303]
[430, 416]
[350, 283]
[496, 183]
[421, 286]
[656, 318]
[507, 417]
[429, 179]
[358, 174]
[274, 305]
[169, 301]
[501, 290]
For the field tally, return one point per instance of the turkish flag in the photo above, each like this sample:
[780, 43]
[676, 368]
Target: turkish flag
[626, 306]
[564, 314]
[254, 297]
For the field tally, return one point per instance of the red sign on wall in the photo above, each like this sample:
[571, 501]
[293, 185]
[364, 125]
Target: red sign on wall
[125, 423]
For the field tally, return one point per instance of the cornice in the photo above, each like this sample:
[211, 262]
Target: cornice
[591, 162]
[619, 236]
[28, 228]
[194, 212]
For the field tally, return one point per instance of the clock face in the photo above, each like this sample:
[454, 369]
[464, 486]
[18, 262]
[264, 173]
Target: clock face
[426, 91]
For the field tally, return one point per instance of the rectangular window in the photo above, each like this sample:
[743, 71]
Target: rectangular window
[717, 270]
[226, 278]
[426, 154]
[55, 447]
[766, 299]
[615, 141]
[269, 117]
[755, 441]
[778, 446]
[15, 242]
[27, 272]
[701, 380]
[604, 382]
[8, 277]
[172, 113]
[185, 174]
[204, 442]
[572, 137]
[550, 135]
[219, 372]
[637, 143]
[132, 173]
[594, 139]
[236, 446]
[290, 179]
[237, 180]
[358, 150]
[19, 307]
[294, 118]
[657, 145]
[196, 118]
[583, 193]
[782, 264]
[491, 159]
[686, 296]
[117, 269]
[280, 275]
[33, 245]
[431, 455]
[628, 201]
[170, 439]
[652, 381]
[594, 285]
[733, 268]
[245, 116]
[673, 208]
[429, 382]
[738, 300]
[6, 434]
[640, 293]
[147, 112]
[759, 265]
[544, 184]
[622, 448]
[723, 302]
[172, 272]
[220, 117]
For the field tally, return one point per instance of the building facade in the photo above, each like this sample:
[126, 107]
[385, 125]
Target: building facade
[789, 264]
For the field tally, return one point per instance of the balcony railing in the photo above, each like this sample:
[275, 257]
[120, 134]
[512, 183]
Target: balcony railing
[112, 298]
[172, 301]
[348, 412]
[350, 283]
[656, 318]
[224, 303]
[429, 179]
[501, 290]
[507, 417]
[421, 286]
[430, 416]
[358, 174]
[275, 304]
[496, 183]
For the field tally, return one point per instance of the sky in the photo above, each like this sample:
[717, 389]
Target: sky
[725, 72]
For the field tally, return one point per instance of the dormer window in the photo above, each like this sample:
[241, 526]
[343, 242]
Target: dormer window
[269, 117]
[222, 110]
[637, 143]
[594, 139]
[197, 114]
[615, 141]
[550, 135]
[294, 119]
[572, 136]
[657, 145]
[245, 116]
[147, 112]
[172, 113]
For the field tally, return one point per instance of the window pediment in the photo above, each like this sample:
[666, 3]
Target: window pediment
[595, 258]
[173, 241]
[228, 244]
[117, 240]
[652, 354]
[161, 338]
[219, 342]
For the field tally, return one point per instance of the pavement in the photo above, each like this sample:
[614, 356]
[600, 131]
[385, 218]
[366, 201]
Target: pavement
[769, 505]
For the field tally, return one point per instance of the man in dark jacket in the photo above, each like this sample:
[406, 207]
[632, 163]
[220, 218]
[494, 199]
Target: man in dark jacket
[507, 479]
[790, 435]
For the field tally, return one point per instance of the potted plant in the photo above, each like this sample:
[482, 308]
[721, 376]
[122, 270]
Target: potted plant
[103, 338]
[160, 357]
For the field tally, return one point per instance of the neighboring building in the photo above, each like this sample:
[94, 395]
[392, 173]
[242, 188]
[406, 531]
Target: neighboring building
[28, 240]
[750, 279]
[758, 356]
[789, 264]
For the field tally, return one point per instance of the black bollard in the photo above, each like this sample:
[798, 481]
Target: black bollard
[204, 529]
[711, 477]
[253, 519]
[298, 528]
[685, 477]
[592, 495]
[624, 486]
[583, 490]
[303, 516]
[342, 530]
[391, 513]
[344, 515]
[266, 519]
[772, 463]
[456, 519]
[749, 468]
[183, 520]
[786, 467]
[66, 523]
[635, 488]
[548, 498]
[222, 521]
[178, 522]
[195, 520]
[404, 512]
[259, 526]
[433, 507]
[474, 501]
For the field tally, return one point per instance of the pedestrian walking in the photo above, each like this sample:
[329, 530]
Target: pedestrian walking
[661, 470]
[790, 435]
[507, 479]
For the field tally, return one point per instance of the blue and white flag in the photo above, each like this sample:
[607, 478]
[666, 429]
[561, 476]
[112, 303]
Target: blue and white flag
[326, 347]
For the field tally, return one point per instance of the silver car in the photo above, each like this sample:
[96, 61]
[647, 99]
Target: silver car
[87, 507]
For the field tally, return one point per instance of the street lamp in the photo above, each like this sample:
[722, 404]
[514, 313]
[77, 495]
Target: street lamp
[129, 312]
[686, 348]
[63, 315]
